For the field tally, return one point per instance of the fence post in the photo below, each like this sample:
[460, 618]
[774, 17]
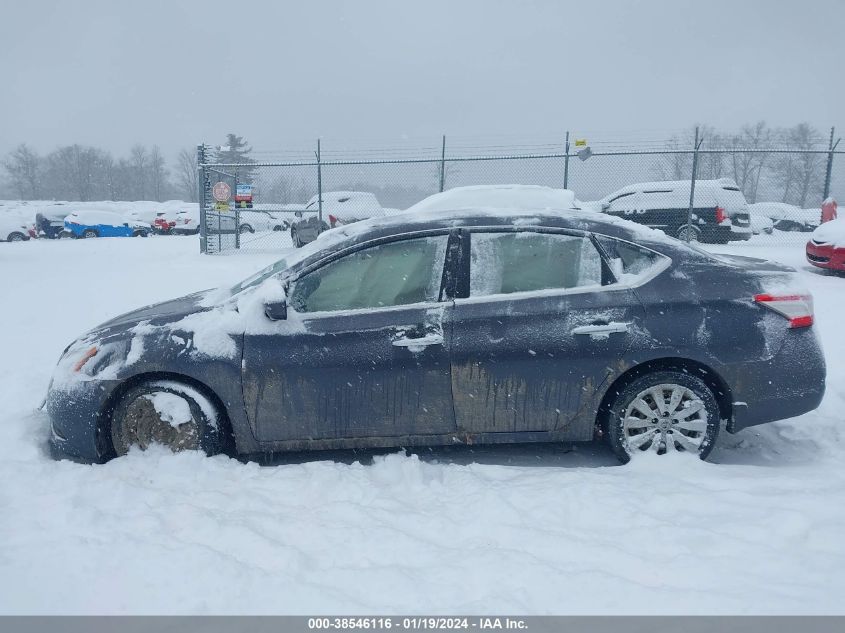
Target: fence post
[237, 211]
[830, 147]
[201, 193]
[566, 163]
[319, 190]
[696, 146]
[443, 164]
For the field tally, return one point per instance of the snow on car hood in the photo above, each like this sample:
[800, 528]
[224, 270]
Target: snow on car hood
[832, 232]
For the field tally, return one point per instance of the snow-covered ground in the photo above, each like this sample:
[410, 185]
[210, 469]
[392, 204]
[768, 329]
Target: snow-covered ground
[536, 529]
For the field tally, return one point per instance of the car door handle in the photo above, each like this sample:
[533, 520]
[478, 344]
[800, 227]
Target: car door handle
[422, 341]
[601, 330]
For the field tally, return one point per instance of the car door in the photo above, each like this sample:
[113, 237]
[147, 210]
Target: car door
[539, 332]
[364, 351]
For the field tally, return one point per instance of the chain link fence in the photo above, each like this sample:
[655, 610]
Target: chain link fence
[762, 195]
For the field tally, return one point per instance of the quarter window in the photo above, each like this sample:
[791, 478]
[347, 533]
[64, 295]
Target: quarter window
[393, 274]
[524, 261]
[629, 262]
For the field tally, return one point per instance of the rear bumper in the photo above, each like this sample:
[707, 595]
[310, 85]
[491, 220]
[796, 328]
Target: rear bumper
[789, 384]
[826, 256]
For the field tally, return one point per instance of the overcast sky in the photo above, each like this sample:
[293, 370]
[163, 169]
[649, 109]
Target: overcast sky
[371, 74]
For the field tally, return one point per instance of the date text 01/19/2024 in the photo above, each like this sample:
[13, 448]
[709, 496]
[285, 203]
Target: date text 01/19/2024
[417, 623]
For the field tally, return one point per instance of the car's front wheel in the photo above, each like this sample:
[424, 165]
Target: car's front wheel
[16, 237]
[663, 412]
[168, 413]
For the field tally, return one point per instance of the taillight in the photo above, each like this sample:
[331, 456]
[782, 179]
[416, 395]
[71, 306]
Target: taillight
[721, 216]
[798, 309]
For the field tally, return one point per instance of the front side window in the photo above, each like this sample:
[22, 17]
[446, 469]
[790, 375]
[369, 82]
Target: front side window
[393, 274]
[524, 261]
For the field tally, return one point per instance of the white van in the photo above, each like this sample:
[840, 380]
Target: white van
[719, 214]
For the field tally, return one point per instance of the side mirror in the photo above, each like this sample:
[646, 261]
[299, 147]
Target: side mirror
[298, 214]
[276, 311]
[605, 206]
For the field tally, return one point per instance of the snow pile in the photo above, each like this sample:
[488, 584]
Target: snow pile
[497, 197]
[513, 529]
[832, 232]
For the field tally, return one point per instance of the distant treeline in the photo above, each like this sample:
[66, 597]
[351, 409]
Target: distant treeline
[82, 173]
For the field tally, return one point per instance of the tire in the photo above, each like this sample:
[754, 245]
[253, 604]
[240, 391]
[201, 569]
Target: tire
[695, 234]
[136, 422]
[630, 431]
[89, 233]
[16, 236]
[246, 228]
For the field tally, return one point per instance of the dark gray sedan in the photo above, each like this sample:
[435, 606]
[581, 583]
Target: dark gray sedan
[453, 328]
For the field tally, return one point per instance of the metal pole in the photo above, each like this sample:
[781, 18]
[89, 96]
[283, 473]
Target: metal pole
[237, 212]
[566, 164]
[201, 176]
[443, 164]
[319, 191]
[830, 147]
[696, 145]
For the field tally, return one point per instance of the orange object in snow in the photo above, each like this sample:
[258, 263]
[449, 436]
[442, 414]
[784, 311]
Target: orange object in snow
[828, 210]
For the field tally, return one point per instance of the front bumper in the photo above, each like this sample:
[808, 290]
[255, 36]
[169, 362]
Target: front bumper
[75, 413]
[826, 256]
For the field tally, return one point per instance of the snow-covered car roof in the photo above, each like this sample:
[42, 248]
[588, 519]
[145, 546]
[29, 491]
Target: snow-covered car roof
[96, 217]
[497, 197]
[673, 185]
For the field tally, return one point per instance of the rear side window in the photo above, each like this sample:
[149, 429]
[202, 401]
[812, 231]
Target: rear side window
[524, 261]
[629, 262]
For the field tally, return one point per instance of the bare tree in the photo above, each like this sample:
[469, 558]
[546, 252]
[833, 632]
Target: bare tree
[139, 162]
[187, 176]
[24, 168]
[801, 174]
[157, 173]
[747, 158]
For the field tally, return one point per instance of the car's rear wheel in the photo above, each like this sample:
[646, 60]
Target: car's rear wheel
[168, 413]
[89, 233]
[689, 233]
[16, 237]
[663, 412]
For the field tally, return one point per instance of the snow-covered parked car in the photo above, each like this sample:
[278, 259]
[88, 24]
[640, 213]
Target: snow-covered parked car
[50, 223]
[252, 220]
[787, 217]
[87, 224]
[497, 197]
[13, 228]
[826, 248]
[719, 215]
[339, 208]
[481, 326]
[186, 222]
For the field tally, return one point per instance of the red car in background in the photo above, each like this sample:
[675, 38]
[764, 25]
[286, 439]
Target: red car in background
[826, 248]
[164, 222]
